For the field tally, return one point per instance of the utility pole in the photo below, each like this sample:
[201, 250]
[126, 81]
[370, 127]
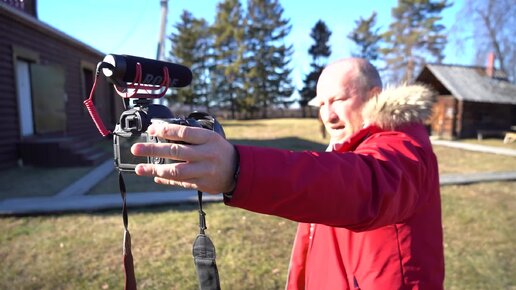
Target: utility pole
[160, 55]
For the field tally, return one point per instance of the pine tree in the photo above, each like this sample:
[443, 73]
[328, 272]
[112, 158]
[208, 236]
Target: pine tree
[267, 56]
[228, 74]
[366, 37]
[319, 51]
[190, 48]
[414, 36]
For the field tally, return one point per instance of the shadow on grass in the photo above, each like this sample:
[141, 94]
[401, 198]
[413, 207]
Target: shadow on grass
[32, 181]
[133, 183]
[179, 207]
[132, 210]
[155, 209]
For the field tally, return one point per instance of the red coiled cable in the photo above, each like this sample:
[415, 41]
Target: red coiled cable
[93, 111]
[136, 85]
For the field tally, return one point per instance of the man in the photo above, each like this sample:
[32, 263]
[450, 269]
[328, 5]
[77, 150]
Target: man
[369, 210]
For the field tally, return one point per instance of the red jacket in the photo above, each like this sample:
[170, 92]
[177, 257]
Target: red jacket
[373, 204]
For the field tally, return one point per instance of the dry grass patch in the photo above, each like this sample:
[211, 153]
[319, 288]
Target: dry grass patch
[479, 235]
[84, 251]
[452, 160]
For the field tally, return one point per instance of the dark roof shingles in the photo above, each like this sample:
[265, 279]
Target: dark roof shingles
[471, 84]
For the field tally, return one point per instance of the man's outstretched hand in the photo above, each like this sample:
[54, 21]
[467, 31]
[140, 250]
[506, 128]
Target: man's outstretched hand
[209, 159]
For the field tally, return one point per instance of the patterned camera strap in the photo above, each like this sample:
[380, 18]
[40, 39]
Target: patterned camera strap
[204, 255]
[130, 279]
[203, 249]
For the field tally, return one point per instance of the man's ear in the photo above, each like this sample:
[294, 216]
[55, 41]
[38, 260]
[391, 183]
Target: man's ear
[375, 91]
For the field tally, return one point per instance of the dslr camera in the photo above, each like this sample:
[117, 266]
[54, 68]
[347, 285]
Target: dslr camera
[142, 80]
[133, 126]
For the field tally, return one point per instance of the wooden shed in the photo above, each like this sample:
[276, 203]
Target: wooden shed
[45, 76]
[470, 101]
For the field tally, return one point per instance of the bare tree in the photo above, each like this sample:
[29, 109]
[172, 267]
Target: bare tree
[490, 25]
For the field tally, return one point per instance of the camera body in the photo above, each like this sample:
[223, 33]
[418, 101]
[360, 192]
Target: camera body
[133, 125]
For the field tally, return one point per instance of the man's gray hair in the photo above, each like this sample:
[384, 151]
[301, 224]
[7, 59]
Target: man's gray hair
[367, 75]
[364, 76]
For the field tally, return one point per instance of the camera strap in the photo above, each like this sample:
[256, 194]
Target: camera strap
[203, 249]
[130, 279]
[204, 255]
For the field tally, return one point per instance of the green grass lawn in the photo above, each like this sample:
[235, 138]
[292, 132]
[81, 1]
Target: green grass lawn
[480, 235]
[452, 160]
[83, 251]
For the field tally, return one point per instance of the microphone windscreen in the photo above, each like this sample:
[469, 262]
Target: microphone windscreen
[122, 70]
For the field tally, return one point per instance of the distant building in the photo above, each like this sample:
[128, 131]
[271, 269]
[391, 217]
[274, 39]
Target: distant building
[44, 77]
[471, 102]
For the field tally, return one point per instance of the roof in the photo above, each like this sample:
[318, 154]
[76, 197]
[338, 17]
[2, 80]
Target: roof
[27, 19]
[470, 83]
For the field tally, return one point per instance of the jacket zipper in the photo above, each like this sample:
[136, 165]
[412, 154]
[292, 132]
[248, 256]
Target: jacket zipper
[355, 283]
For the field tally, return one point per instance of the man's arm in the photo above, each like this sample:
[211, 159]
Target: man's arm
[384, 181]
[374, 186]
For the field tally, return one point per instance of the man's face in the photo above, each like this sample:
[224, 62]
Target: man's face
[340, 101]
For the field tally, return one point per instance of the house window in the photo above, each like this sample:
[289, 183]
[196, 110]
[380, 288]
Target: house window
[24, 95]
[449, 112]
[87, 80]
[23, 61]
[40, 93]
[49, 98]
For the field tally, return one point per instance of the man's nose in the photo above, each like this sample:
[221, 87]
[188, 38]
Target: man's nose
[329, 112]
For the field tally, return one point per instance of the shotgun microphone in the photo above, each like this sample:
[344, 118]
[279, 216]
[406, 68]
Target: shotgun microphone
[122, 69]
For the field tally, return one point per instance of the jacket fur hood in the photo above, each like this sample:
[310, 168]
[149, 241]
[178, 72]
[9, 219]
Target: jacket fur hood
[396, 106]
